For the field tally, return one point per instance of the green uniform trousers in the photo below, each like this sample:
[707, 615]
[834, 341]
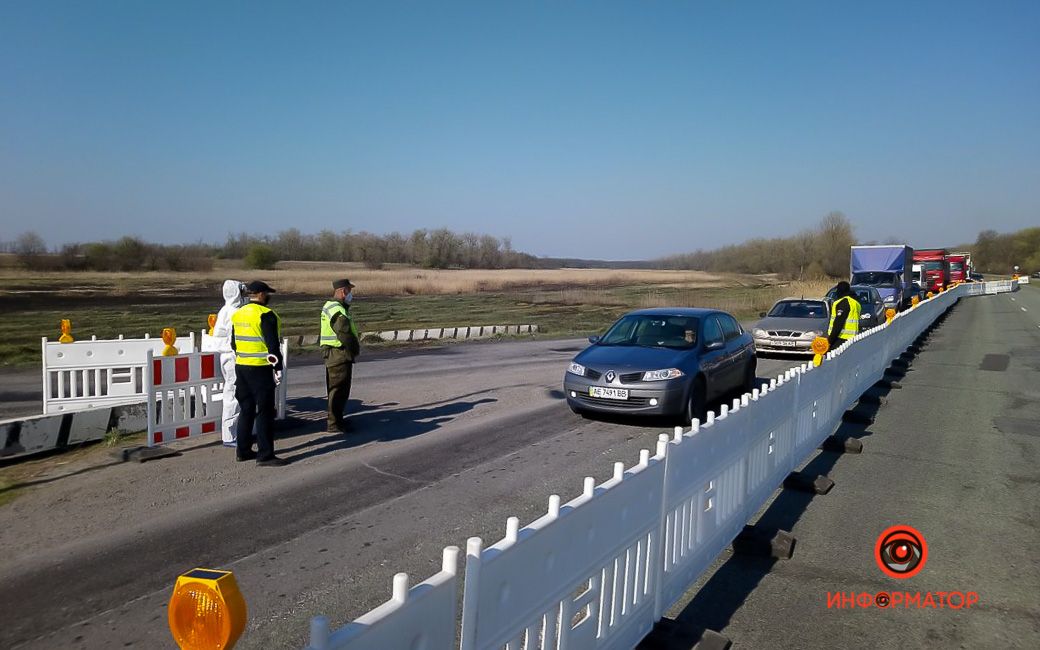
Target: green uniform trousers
[337, 381]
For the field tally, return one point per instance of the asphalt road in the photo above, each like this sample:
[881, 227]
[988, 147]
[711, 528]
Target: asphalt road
[450, 442]
[956, 455]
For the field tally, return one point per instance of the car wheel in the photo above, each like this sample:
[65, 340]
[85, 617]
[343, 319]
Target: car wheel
[751, 375]
[697, 405]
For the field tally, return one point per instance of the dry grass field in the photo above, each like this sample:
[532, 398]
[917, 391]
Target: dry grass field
[313, 279]
[562, 302]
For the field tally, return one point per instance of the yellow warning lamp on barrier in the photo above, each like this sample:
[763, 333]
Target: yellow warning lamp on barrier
[66, 329]
[914, 300]
[889, 314]
[206, 610]
[929, 294]
[820, 345]
[212, 320]
[169, 337]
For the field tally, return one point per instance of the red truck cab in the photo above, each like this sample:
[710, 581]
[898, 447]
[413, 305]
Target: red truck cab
[958, 267]
[935, 268]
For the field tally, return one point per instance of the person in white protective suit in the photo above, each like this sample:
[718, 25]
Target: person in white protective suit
[234, 297]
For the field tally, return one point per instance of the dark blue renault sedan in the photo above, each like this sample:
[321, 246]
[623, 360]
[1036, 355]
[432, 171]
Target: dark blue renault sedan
[662, 362]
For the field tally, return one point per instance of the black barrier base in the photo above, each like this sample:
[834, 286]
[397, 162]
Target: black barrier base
[144, 453]
[857, 417]
[776, 544]
[669, 634]
[873, 400]
[842, 445]
[818, 484]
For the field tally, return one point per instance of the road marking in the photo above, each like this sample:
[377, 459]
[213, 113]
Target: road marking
[1023, 309]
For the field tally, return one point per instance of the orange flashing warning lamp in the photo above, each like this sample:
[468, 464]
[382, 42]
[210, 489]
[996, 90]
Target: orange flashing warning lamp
[820, 345]
[212, 321]
[206, 610]
[889, 314]
[169, 337]
[66, 331]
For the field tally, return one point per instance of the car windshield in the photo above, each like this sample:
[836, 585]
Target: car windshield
[932, 266]
[956, 266]
[862, 296]
[798, 309]
[653, 331]
[874, 278]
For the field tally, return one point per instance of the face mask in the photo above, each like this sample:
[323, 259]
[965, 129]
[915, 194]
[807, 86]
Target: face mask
[349, 298]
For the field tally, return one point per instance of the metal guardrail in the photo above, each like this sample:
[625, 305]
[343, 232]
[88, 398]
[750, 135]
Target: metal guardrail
[600, 570]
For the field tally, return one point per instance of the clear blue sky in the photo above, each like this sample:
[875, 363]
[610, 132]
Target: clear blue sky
[595, 129]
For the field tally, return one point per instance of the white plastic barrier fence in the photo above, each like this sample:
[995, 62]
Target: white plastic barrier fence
[420, 617]
[97, 373]
[1023, 279]
[990, 288]
[281, 403]
[181, 400]
[600, 570]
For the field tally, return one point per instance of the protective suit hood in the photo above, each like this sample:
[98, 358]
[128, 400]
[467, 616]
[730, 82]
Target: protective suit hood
[233, 296]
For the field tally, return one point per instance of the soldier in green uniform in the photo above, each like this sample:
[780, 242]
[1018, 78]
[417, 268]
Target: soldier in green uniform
[340, 346]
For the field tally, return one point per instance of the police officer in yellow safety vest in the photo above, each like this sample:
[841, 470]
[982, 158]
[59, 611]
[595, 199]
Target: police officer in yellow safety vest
[256, 338]
[844, 316]
[340, 346]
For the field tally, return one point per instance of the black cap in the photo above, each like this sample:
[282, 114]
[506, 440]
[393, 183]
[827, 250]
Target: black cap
[843, 288]
[259, 286]
[339, 284]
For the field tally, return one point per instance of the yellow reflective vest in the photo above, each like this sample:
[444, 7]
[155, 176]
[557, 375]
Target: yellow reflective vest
[851, 328]
[250, 348]
[328, 335]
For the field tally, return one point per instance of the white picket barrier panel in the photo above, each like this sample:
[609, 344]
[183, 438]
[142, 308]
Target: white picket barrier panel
[281, 403]
[592, 560]
[599, 571]
[420, 617]
[96, 373]
[181, 399]
[1023, 279]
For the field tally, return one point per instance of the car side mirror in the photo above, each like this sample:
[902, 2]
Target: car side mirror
[761, 314]
[593, 340]
[713, 345]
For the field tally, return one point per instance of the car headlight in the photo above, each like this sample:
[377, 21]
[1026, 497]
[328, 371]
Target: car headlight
[759, 333]
[889, 300]
[661, 375]
[576, 369]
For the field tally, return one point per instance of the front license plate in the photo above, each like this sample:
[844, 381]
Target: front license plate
[608, 393]
[785, 344]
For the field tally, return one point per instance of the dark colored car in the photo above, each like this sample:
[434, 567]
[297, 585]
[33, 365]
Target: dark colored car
[919, 291]
[872, 307]
[662, 362]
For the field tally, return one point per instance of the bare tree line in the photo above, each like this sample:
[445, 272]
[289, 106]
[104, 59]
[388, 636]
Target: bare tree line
[993, 252]
[441, 249]
[814, 253]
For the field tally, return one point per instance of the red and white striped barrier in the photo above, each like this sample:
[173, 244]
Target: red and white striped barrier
[182, 400]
